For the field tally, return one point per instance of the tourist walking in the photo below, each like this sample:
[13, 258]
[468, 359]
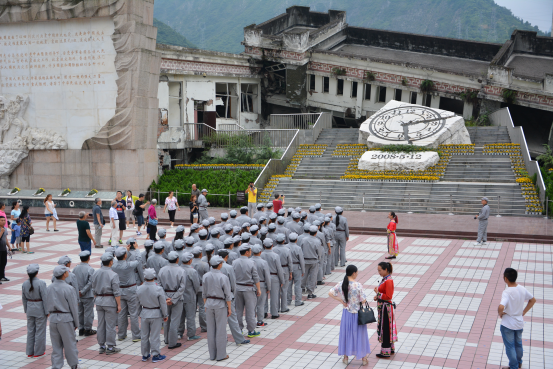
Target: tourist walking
[98, 221]
[152, 220]
[139, 206]
[114, 221]
[26, 229]
[34, 305]
[393, 246]
[121, 206]
[3, 250]
[252, 199]
[50, 212]
[202, 205]
[386, 329]
[483, 223]
[14, 215]
[341, 235]
[353, 339]
[511, 311]
[171, 205]
[85, 237]
[129, 208]
[193, 209]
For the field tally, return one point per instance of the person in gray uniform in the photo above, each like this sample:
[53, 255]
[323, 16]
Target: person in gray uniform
[127, 272]
[33, 293]
[260, 211]
[229, 245]
[205, 226]
[132, 251]
[332, 229]
[217, 299]
[232, 221]
[167, 246]
[318, 212]
[203, 240]
[293, 225]
[237, 243]
[228, 270]
[329, 235]
[189, 244]
[278, 277]
[273, 218]
[202, 205]
[247, 289]
[244, 217]
[262, 221]
[272, 232]
[147, 253]
[325, 252]
[61, 304]
[171, 279]
[178, 245]
[341, 236]
[268, 209]
[224, 221]
[179, 235]
[202, 268]
[191, 290]
[303, 235]
[84, 273]
[107, 293]
[157, 261]
[71, 278]
[298, 270]
[215, 234]
[264, 283]
[286, 262]
[311, 217]
[228, 233]
[154, 311]
[194, 229]
[282, 229]
[254, 239]
[483, 223]
[311, 247]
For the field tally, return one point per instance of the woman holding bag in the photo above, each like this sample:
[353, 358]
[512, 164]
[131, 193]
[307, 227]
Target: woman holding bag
[354, 340]
[386, 329]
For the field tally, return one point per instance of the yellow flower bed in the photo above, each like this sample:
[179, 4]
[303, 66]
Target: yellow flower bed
[349, 150]
[523, 180]
[408, 178]
[533, 203]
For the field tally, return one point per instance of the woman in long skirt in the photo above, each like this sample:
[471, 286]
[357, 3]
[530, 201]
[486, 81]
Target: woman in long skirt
[386, 328]
[354, 340]
[34, 305]
[393, 246]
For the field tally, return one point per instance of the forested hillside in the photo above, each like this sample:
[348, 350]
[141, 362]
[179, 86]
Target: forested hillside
[218, 25]
[167, 35]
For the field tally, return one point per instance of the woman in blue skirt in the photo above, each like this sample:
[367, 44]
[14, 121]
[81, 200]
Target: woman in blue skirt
[354, 340]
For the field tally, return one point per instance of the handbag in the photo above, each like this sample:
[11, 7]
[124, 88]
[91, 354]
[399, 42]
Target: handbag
[152, 222]
[365, 315]
[31, 230]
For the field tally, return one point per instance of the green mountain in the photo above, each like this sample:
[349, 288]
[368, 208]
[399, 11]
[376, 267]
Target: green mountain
[167, 35]
[218, 25]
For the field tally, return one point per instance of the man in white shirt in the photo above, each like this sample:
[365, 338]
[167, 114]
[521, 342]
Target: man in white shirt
[511, 311]
[114, 220]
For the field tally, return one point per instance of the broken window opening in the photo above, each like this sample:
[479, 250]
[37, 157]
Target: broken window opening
[226, 97]
[326, 84]
[367, 91]
[398, 94]
[381, 94]
[353, 89]
[175, 116]
[340, 87]
[249, 97]
[312, 82]
[413, 98]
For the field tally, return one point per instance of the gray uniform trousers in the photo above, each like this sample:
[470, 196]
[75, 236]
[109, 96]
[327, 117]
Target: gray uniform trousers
[329, 265]
[482, 231]
[107, 317]
[252, 208]
[217, 333]
[247, 300]
[283, 292]
[189, 316]
[341, 248]
[201, 312]
[36, 335]
[86, 313]
[129, 304]
[203, 214]
[62, 336]
[149, 335]
[98, 234]
[275, 293]
[295, 284]
[171, 326]
[233, 324]
[322, 263]
[261, 301]
[332, 261]
[310, 277]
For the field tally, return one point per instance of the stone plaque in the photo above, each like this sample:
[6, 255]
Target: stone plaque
[381, 160]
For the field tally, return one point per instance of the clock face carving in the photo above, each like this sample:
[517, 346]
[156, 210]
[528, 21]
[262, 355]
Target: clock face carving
[408, 123]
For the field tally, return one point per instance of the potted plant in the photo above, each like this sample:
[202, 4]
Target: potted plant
[39, 192]
[91, 193]
[65, 192]
[427, 86]
[338, 71]
[369, 76]
[14, 191]
[509, 96]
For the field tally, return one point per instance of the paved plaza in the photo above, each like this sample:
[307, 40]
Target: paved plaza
[446, 291]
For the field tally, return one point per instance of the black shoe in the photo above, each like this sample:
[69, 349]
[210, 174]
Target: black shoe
[81, 332]
[90, 332]
[285, 311]
[320, 283]
[312, 296]
[203, 330]
[302, 303]
[265, 316]
[4, 279]
[275, 316]
[382, 356]
[178, 344]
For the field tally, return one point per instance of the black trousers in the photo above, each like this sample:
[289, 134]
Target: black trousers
[153, 232]
[171, 215]
[386, 329]
[3, 262]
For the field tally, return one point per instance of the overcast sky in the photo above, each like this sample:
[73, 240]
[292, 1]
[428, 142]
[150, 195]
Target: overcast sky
[537, 12]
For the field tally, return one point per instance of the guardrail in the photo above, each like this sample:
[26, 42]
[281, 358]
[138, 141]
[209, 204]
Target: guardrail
[293, 121]
[502, 117]
[229, 127]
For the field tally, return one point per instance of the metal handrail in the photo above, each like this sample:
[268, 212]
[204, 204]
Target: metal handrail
[278, 166]
[294, 121]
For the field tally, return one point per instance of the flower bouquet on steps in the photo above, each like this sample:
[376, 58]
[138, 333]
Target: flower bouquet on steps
[65, 192]
[39, 192]
[14, 191]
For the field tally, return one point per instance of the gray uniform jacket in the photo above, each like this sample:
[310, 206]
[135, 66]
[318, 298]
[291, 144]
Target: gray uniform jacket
[84, 273]
[72, 281]
[484, 213]
[157, 262]
[294, 227]
[232, 256]
[224, 237]
[171, 278]
[311, 247]
[324, 239]
[331, 231]
[127, 272]
[302, 237]
[201, 267]
[243, 219]
[297, 256]
[217, 244]
[195, 236]
[167, 247]
[216, 284]
[152, 299]
[246, 274]
[234, 222]
[143, 257]
[105, 282]
[342, 225]
[255, 241]
[275, 266]
[202, 202]
[134, 255]
[192, 283]
[258, 215]
[201, 243]
[283, 230]
[285, 257]
[60, 296]
[228, 270]
[263, 271]
[34, 302]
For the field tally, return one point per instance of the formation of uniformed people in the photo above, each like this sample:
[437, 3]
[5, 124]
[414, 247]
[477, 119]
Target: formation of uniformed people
[241, 269]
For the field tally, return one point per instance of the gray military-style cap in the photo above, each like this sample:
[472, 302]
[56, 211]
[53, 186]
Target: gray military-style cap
[246, 236]
[306, 226]
[224, 216]
[131, 240]
[205, 223]
[312, 209]
[148, 243]
[223, 253]
[159, 246]
[237, 239]
[110, 249]
[280, 237]
[216, 260]
[204, 190]
[84, 253]
[107, 256]
[327, 219]
[194, 226]
[269, 205]
[246, 225]
[186, 257]
[236, 229]
[281, 212]
[313, 229]
[296, 215]
[197, 250]
[263, 230]
[161, 232]
[318, 206]
[254, 228]
[59, 270]
[209, 247]
[120, 252]
[233, 213]
[33, 268]
[256, 249]
[260, 206]
[290, 210]
[267, 243]
[293, 236]
[179, 244]
[203, 232]
[245, 247]
[244, 208]
[179, 228]
[273, 216]
[211, 220]
[189, 240]
[228, 227]
[214, 231]
[317, 223]
[262, 219]
[173, 255]
[338, 210]
[64, 260]
[485, 199]
[149, 274]
[280, 220]
[228, 241]
[303, 214]
[254, 221]
[272, 227]
[328, 215]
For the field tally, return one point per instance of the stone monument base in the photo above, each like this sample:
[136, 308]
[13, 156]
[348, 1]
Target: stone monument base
[380, 160]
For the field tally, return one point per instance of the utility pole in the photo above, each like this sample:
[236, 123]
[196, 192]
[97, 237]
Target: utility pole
[459, 28]
[492, 35]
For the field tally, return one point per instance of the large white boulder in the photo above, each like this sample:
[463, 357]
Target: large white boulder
[385, 126]
[381, 160]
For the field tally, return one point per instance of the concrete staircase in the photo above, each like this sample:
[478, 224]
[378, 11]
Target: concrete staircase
[467, 179]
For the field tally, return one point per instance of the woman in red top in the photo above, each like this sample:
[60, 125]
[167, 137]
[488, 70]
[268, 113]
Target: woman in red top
[393, 247]
[386, 330]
